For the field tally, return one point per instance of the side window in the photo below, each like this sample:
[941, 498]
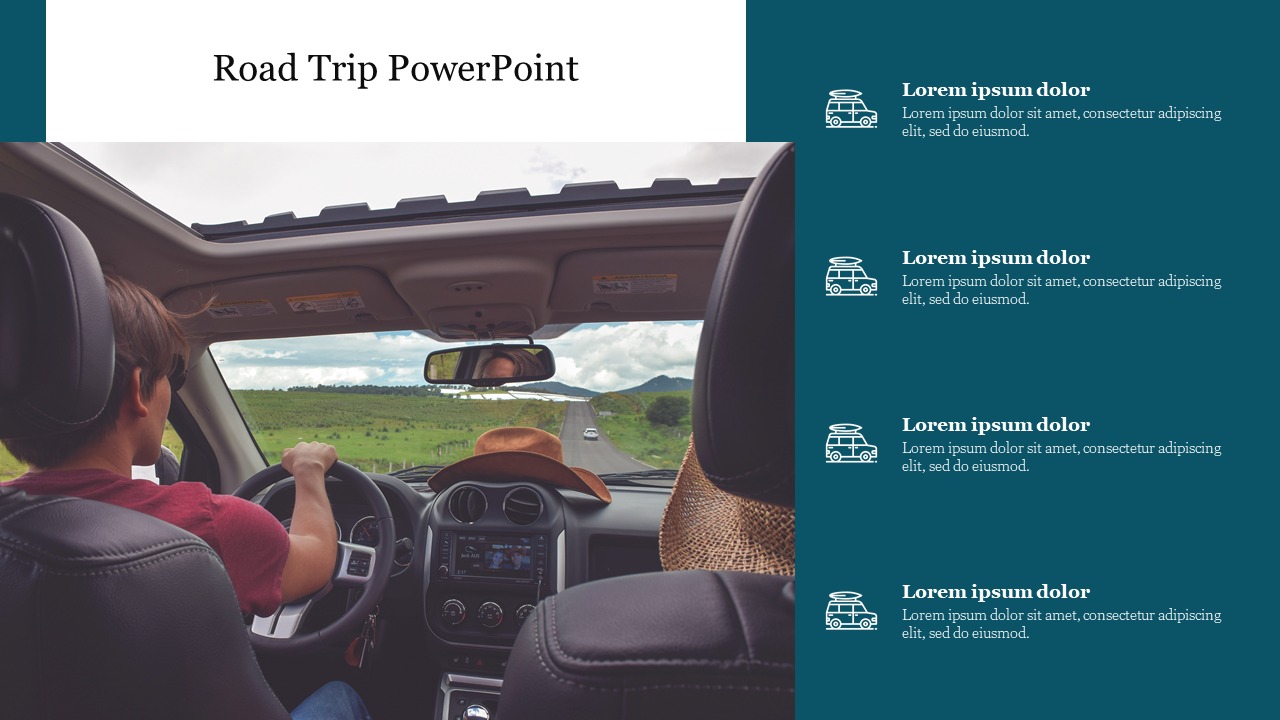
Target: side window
[10, 468]
[171, 441]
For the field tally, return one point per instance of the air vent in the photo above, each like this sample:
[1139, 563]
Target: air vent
[522, 506]
[467, 504]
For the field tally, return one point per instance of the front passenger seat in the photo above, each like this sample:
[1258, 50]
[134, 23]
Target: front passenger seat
[698, 644]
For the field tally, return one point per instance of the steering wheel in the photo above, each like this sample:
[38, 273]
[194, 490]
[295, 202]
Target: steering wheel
[278, 634]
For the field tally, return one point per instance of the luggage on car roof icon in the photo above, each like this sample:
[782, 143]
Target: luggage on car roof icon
[846, 444]
[846, 276]
[846, 109]
[846, 612]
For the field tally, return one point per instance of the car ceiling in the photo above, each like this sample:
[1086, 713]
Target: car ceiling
[536, 269]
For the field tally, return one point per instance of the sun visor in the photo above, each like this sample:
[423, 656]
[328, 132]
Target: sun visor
[316, 298]
[664, 279]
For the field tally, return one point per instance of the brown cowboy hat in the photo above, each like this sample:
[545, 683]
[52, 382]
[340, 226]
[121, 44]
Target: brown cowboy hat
[512, 454]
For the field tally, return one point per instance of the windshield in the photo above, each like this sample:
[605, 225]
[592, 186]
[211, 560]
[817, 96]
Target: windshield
[364, 394]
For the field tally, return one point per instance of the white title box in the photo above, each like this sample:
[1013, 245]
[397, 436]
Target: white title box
[145, 70]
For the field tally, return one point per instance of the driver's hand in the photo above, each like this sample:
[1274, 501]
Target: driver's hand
[309, 459]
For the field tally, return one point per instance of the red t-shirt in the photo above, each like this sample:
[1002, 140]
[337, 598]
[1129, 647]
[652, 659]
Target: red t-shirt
[251, 542]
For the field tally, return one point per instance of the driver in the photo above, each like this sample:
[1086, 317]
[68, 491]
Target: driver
[267, 565]
[512, 363]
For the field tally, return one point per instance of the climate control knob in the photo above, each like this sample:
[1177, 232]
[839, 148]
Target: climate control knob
[453, 611]
[522, 613]
[490, 614]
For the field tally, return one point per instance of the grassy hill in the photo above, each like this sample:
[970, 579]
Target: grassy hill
[617, 403]
[662, 383]
[552, 386]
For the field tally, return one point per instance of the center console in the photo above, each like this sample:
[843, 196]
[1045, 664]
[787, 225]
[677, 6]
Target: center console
[494, 551]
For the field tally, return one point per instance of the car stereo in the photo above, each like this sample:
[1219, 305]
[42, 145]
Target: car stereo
[493, 557]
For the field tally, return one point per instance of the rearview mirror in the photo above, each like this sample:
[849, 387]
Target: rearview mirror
[490, 365]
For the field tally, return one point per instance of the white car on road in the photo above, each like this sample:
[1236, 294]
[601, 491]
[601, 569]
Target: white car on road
[591, 434]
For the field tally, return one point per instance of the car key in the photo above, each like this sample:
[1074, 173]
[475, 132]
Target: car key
[368, 635]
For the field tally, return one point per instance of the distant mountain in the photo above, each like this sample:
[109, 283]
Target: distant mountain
[410, 390]
[552, 386]
[662, 383]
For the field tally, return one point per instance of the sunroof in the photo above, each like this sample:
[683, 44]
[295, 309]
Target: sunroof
[576, 197]
[212, 184]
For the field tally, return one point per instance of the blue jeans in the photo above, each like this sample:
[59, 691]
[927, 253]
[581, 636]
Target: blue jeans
[335, 701]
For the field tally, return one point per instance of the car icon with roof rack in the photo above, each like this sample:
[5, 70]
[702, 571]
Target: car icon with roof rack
[845, 611]
[845, 109]
[845, 444]
[845, 276]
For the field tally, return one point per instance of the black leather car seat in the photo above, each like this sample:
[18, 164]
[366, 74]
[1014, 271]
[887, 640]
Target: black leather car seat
[696, 643]
[104, 612]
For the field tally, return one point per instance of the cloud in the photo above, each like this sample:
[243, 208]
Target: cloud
[232, 349]
[555, 173]
[263, 377]
[614, 357]
[357, 359]
[598, 357]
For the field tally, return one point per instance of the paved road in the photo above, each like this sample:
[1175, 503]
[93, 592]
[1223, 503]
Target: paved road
[598, 456]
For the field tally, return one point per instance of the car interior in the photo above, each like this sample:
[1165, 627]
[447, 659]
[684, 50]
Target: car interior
[621, 609]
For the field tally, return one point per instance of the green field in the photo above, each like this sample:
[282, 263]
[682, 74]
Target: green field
[385, 430]
[657, 445]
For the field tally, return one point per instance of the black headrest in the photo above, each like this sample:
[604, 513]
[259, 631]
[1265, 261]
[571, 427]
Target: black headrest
[744, 382]
[109, 613]
[57, 348]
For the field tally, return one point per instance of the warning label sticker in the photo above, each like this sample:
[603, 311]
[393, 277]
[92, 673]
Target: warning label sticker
[240, 308]
[332, 302]
[633, 284]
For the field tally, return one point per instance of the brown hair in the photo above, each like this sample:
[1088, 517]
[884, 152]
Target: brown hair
[147, 336]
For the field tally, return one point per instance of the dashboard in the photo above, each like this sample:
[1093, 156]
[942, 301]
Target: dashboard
[472, 561]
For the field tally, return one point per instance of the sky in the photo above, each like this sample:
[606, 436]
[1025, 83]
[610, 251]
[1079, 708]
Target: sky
[222, 182]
